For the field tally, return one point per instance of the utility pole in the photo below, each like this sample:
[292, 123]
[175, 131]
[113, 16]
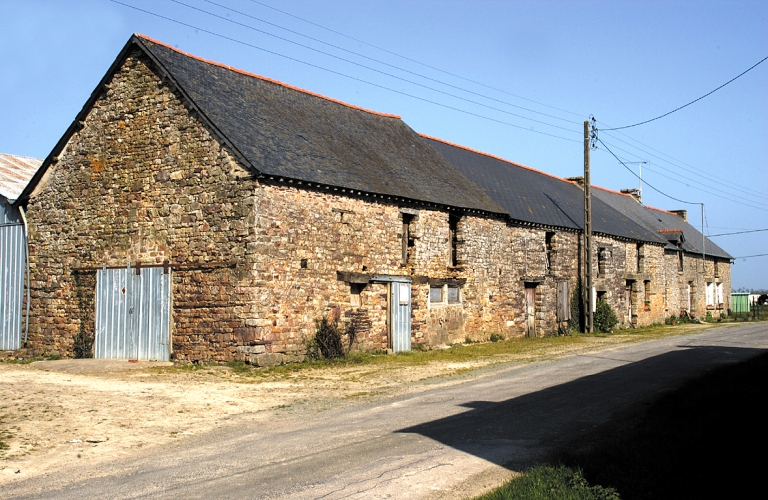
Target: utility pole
[587, 283]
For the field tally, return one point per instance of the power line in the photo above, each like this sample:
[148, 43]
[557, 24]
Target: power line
[740, 202]
[646, 183]
[433, 89]
[695, 100]
[696, 171]
[750, 256]
[453, 108]
[738, 232]
[371, 58]
[414, 60]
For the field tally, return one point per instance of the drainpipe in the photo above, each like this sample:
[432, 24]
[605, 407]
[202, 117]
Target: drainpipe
[26, 243]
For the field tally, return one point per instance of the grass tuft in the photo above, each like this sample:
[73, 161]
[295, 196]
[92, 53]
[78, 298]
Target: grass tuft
[547, 482]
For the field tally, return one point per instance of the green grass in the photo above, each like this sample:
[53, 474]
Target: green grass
[546, 482]
[500, 350]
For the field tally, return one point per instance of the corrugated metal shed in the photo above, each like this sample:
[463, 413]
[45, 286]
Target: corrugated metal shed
[15, 173]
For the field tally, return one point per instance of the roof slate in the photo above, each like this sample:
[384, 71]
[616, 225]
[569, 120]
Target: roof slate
[15, 174]
[287, 132]
[660, 221]
[532, 196]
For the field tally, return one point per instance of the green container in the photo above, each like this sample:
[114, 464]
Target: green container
[740, 302]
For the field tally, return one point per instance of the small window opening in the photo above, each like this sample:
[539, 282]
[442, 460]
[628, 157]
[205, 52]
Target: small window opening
[680, 261]
[303, 263]
[548, 244]
[640, 257]
[453, 229]
[355, 290]
[602, 258]
[407, 240]
[453, 294]
[647, 295]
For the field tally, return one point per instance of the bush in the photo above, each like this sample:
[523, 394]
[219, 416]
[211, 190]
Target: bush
[574, 324]
[327, 342]
[495, 337]
[552, 483]
[605, 318]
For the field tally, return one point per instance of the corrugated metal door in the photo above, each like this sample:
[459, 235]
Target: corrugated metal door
[400, 314]
[12, 259]
[133, 313]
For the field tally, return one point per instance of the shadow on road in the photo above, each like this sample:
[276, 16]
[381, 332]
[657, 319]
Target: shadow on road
[517, 432]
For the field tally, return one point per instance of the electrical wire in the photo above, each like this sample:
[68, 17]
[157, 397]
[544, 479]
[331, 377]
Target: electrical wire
[414, 60]
[247, 44]
[717, 195]
[695, 100]
[378, 61]
[742, 190]
[646, 183]
[738, 232]
[433, 89]
[750, 256]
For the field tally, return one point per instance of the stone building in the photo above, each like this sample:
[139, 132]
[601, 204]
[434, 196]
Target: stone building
[551, 210]
[696, 276]
[200, 213]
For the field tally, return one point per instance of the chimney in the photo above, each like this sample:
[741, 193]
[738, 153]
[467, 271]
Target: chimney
[683, 214]
[634, 193]
[578, 180]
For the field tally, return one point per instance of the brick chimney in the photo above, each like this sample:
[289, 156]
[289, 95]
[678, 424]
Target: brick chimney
[634, 193]
[578, 180]
[683, 214]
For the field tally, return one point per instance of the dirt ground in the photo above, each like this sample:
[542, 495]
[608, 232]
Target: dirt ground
[57, 414]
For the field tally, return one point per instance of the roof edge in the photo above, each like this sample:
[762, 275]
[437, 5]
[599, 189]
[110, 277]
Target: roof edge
[266, 79]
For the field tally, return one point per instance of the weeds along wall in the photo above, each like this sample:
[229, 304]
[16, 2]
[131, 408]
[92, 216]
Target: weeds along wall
[255, 262]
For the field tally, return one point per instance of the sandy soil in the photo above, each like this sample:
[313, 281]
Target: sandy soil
[56, 414]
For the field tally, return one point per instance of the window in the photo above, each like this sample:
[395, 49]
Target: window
[354, 294]
[679, 261]
[647, 296]
[548, 244]
[640, 257]
[435, 294]
[710, 294]
[444, 294]
[453, 229]
[602, 258]
[407, 239]
[719, 294]
[453, 294]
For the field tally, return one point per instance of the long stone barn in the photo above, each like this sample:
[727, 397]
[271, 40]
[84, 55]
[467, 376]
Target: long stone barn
[200, 213]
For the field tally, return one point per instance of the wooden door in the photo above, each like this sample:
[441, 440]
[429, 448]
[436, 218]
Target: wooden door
[530, 310]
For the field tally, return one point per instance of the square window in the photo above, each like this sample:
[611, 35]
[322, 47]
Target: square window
[436, 294]
[453, 294]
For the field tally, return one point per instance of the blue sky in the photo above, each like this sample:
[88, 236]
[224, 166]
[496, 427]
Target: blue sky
[623, 62]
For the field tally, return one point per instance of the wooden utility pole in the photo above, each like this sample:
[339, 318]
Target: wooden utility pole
[587, 298]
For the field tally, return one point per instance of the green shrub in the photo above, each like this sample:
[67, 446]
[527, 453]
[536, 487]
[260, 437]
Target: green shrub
[327, 342]
[548, 482]
[574, 324]
[495, 337]
[605, 318]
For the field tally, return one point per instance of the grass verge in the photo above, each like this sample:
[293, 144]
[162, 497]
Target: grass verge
[546, 482]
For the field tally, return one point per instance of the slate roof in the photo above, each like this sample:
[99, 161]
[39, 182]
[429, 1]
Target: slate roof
[285, 132]
[15, 174]
[660, 221]
[530, 195]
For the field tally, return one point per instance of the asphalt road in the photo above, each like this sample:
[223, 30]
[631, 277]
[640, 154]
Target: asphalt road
[436, 444]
